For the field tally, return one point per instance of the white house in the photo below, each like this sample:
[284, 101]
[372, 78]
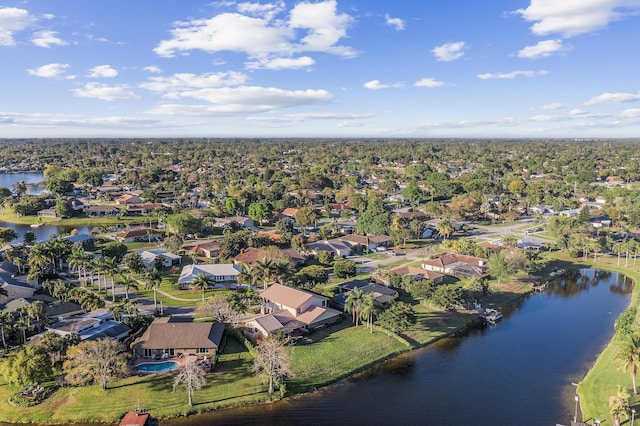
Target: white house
[15, 289]
[223, 274]
[168, 259]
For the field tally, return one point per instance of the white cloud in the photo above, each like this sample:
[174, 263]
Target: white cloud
[574, 17]
[543, 49]
[577, 112]
[13, 20]
[281, 63]
[429, 83]
[631, 113]
[185, 81]
[376, 85]
[153, 69]
[396, 23]
[311, 27]
[552, 106]
[449, 51]
[240, 100]
[51, 71]
[105, 92]
[102, 71]
[268, 10]
[511, 75]
[47, 39]
[288, 118]
[613, 98]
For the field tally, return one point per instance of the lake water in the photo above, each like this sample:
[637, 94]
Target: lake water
[35, 186]
[516, 372]
[44, 232]
[32, 179]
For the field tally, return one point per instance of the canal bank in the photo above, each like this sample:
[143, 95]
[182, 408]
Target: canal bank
[320, 361]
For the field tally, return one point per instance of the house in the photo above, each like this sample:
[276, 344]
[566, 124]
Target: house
[241, 221]
[47, 213]
[102, 211]
[222, 274]
[140, 234]
[93, 325]
[209, 249]
[84, 239]
[408, 215]
[287, 310]
[335, 246]
[129, 199]
[369, 242]
[251, 255]
[170, 337]
[290, 212]
[16, 289]
[458, 265]
[381, 293]
[54, 307]
[168, 259]
[417, 274]
[143, 209]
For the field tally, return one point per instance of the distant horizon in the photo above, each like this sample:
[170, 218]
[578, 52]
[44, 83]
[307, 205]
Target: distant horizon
[320, 68]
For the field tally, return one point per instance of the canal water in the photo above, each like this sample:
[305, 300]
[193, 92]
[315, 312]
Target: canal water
[519, 371]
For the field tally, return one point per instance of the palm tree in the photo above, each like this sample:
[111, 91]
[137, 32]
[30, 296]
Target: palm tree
[283, 271]
[445, 228]
[6, 321]
[353, 304]
[367, 309]
[36, 310]
[128, 282]
[110, 267]
[628, 357]
[23, 324]
[619, 405]
[266, 270]
[38, 257]
[152, 280]
[79, 260]
[250, 275]
[134, 263]
[202, 281]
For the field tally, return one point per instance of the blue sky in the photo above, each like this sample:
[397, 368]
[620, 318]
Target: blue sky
[335, 68]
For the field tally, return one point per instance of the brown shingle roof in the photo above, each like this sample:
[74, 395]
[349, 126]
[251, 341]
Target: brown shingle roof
[287, 296]
[182, 335]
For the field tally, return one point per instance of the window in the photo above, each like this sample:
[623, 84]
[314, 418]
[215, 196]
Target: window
[202, 351]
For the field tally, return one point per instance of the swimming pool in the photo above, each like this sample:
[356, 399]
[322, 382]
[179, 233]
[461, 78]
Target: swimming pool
[158, 367]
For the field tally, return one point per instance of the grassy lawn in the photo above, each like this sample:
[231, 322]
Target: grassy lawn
[603, 379]
[9, 215]
[336, 353]
[433, 324]
[231, 384]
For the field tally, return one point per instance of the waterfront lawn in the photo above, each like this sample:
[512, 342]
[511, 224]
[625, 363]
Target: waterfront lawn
[433, 324]
[337, 352]
[231, 384]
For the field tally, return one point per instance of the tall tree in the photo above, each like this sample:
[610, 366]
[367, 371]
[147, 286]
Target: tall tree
[96, 362]
[627, 357]
[6, 322]
[152, 280]
[353, 303]
[28, 365]
[192, 377]
[272, 361]
[202, 281]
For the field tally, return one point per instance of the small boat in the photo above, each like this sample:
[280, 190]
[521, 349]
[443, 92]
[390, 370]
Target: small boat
[492, 316]
[36, 225]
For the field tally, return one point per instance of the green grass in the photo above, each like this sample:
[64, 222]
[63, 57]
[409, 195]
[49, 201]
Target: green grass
[337, 353]
[231, 384]
[603, 379]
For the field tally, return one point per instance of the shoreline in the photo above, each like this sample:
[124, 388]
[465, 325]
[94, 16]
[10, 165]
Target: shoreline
[509, 300]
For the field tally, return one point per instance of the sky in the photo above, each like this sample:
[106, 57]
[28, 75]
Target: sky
[314, 68]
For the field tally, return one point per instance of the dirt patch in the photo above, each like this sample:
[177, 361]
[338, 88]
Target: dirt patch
[69, 399]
